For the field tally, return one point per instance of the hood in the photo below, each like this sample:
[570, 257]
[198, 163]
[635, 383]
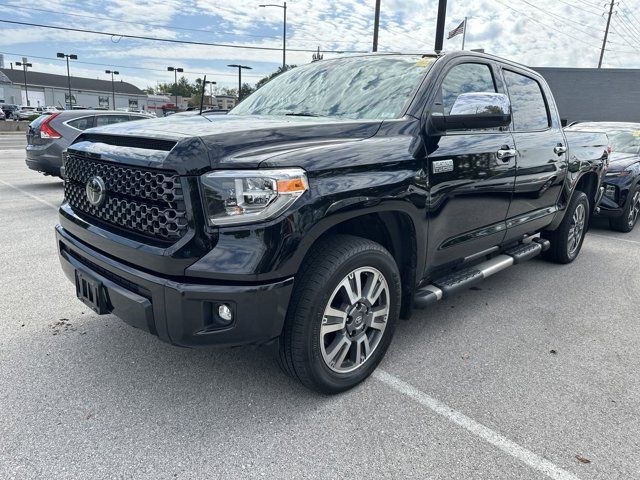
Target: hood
[196, 143]
[619, 161]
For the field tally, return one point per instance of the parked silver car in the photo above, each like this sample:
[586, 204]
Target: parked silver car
[24, 113]
[49, 135]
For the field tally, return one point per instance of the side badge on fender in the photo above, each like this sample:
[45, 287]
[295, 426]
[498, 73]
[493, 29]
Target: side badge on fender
[442, 166]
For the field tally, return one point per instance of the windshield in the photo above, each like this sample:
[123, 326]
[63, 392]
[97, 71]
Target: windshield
[365, 87]
[625, 141]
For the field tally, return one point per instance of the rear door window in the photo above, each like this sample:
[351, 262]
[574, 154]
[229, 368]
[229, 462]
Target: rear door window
[81, 123]
[527, 103]
[102, 120]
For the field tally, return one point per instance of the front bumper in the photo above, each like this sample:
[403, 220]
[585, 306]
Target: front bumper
[179, 312]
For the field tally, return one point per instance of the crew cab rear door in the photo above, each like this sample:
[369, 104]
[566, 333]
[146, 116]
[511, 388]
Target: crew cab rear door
[470, 188]
[542, 152]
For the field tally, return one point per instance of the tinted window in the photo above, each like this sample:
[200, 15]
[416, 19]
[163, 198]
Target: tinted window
[527, 102]
[102, 120]
[466, 78]
[81, 123]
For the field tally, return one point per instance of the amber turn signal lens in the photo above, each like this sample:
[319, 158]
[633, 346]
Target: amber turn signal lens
[292, 185]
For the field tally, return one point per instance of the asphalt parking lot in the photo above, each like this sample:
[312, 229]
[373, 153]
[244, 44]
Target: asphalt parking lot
[532, 375]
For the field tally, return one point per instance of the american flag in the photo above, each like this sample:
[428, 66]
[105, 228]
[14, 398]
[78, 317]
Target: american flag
[458, 30]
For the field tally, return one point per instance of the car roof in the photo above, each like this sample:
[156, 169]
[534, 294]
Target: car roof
[603, 126]
[64, 114]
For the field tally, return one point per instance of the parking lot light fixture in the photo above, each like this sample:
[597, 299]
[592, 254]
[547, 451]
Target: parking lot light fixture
[284, 31]
[69, 56]
[239, 67]
[204, 84]
[25, 65]
[175, 71]
[113, 87]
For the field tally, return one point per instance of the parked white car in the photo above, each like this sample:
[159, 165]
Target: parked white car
[24, 112]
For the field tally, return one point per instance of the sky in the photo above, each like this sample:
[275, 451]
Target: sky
[558, 33]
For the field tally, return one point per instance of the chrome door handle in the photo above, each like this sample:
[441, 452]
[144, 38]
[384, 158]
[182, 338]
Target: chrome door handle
[559, 149]
[505, 154]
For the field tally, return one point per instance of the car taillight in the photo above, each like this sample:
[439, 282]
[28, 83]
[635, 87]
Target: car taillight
[46, 131]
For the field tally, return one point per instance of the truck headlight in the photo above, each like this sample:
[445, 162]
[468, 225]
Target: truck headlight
[234, 197]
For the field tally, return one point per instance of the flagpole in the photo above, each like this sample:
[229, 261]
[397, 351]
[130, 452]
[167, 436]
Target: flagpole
[464, 32]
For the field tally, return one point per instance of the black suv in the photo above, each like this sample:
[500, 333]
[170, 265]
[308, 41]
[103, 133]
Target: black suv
[326, 205]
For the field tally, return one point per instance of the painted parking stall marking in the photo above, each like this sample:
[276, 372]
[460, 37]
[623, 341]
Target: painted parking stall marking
[509, 447]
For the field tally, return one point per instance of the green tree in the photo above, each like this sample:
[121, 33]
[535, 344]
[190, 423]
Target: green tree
[183, 89]
[273, 75]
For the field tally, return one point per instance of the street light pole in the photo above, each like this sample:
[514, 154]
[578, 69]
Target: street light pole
[239, 67]
[204, 84]
[175, 71]
[69, 56]
[24, 64]
[113, 86]
[284, 31]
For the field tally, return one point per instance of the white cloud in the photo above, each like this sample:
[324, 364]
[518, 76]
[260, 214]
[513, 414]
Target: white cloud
[534, 32]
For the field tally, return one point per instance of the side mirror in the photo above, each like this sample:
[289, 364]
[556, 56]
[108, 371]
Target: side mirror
[475, 111]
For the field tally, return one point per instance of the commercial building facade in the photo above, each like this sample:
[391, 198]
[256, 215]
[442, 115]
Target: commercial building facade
[47, 89]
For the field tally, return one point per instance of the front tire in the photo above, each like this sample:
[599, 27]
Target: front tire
[566, 240]
[342, 314]
[625, 222]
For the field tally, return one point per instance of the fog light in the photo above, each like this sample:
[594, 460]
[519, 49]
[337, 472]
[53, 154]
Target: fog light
[610, 191]
[224, 312]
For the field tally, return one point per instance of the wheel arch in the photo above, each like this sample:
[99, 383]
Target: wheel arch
[396, 231]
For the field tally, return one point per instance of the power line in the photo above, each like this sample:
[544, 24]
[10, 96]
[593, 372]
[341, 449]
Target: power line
[624, 38]
[562, 32]
[626, 19]
[570, 20]
[599, 14]
[553, 15]
[129, 67]
[171, 40]
[630, 32]
[309, 39]
[630, 12]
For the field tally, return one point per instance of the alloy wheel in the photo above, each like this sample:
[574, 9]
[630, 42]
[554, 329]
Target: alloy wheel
[576, 230]
[634, 210]
[354, 320]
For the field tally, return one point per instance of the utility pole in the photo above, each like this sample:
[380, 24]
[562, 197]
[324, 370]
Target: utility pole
[113, 85]
[606, 33]
[376, 27]
[69, 56]
[25, 64]
[239, 67]
[442, 16]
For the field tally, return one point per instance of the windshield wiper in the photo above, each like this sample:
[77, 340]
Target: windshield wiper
[302, 114]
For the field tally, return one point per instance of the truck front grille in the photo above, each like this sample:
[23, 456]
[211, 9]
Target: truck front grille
[145, 201]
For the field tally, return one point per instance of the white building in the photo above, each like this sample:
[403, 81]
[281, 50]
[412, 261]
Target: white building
[47, 89]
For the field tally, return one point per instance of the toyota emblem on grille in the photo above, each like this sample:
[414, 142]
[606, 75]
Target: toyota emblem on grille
[96, 191]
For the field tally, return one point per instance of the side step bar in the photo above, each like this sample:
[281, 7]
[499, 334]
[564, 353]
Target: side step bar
[469, 277]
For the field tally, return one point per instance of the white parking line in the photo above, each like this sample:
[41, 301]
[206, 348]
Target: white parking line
[509, 447]
[613, 238]
[24, 192]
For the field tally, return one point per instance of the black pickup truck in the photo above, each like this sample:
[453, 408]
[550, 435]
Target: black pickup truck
[326, 205]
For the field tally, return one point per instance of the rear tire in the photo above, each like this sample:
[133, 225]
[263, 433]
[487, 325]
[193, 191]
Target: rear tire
[342, 314]
[625, 222]
[566, 240]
